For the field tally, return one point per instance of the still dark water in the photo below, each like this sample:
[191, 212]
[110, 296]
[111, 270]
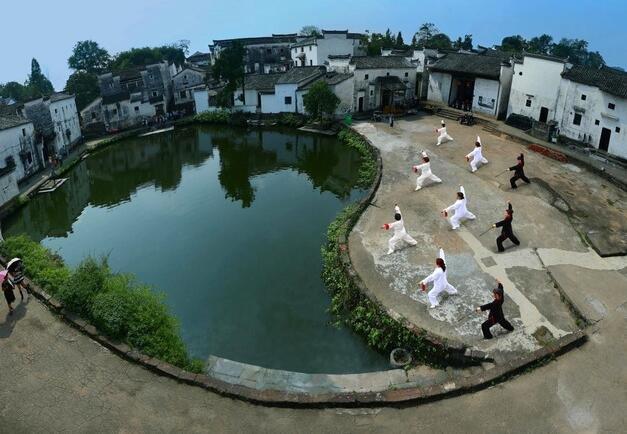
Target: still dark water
[228, 224]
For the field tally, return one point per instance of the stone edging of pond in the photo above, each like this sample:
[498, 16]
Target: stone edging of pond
[285, 388]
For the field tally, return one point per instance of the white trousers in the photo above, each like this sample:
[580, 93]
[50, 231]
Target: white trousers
[443, 136]
[426, 177]
[456, 218]
[396, 238]
[475, 161]
[433, 294]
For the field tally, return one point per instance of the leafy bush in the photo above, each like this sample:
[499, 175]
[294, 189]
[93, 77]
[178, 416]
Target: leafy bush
[118, 306]
[214, 117]
[292, 120]
[368, 164]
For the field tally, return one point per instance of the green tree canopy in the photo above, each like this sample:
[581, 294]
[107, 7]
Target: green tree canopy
[424, 34]
[320, 100]
[463, 44]
[229, 68]
[540, 44]
[576, 51]
[514, 44]
[148, 55]
[85, 86]
[14, 90]
[38, 84]
[310, 31]
[399, 43]
[439, 41]
[89, 57]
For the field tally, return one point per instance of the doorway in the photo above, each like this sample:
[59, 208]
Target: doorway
[462, 93]
[604, 142]
[360, 104]
[544, 114]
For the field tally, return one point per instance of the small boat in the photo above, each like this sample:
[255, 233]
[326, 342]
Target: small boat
[164, 130]
[51, 185]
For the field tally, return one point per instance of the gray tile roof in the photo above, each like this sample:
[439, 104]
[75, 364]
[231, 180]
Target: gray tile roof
[9, 117]
[607, 79]
[60, 96]
[261, 82]
[274, 39]
[331, 78]
[380, 62]
[488, 66]
[301, 73]
[304, 42]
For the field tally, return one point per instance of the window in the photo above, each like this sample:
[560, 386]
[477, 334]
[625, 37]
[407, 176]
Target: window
[583, 97]
[611, 106]
[372, 93]
[617, 129]
[407, 74]
[150, 76]
[387, 74]
[310, 48]
[366, 77]
[24, 132]
[288, 100]
[183, 94]
[302, 49]
[114, 111]
[520, 73]
[93, 115]
[136, 109]
[310, 62]
[268, 51]
[528, 103]
[577, 119]
[596, 122]
[154, 93]
[56, 110]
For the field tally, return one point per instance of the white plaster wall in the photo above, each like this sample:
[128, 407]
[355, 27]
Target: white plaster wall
[343, 90]
[505, 87]
[10, 146]
[8, 187]
[276, 104]
[334, 45]
[361, 83]
[65, 116]
[537, 80]
[250, 94]
[439, 87]
[594, 107]
[201, 100]
[488, 90]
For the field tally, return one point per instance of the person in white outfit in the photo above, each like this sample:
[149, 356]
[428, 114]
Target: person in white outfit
[440, 281]
[476, 157]
[460, 210]
[425, 172]
[400, 234]
[442, 134]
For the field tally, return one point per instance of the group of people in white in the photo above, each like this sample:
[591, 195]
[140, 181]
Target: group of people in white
[456, 213]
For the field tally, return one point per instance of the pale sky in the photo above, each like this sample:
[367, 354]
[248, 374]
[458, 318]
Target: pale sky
[47, 30]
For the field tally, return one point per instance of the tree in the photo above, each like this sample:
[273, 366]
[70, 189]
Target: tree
[467, 43]
[414, 42]
[87, 56]
[388, 40]
[85, 86]
[399, 44]
[576, 51]
[14, 90]
[37, 84]
[181, 44]
[374, 44]
[514, 44]
[147, 55]
[229, 68]
[439, 41]
[425, 33]
[310, 31]
[320, 100]
[540, 44]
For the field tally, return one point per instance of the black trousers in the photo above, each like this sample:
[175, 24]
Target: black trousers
[515, 178]
[485, 327]
[502, 237]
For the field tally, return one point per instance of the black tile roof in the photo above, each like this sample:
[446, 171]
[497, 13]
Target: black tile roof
[307, 41]
[287, 38]
[111, 99]
[261, 82]
[610, 80]
[331, 78]
[301, 73]
[487, 66]
[59, 96]
[339, 56]
[9, 117]
[380, 62]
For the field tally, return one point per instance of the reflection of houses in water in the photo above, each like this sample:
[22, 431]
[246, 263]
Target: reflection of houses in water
[53, 214]
[243, 155]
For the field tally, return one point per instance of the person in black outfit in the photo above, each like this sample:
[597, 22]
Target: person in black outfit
[519, 172]
[507, 231]
[496, 312]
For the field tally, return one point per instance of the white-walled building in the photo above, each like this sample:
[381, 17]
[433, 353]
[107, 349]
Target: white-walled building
[315, 51]
[204, 99]
[478, 82]
[255, 85]
[183, 82]
[284, 97]
[592, 108]
[535, 87]
[340, 84]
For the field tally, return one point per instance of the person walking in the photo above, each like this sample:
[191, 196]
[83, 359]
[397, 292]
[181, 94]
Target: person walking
[15, 267]
[459, 207]
[442, 134]
[519, 172]
[400, 234]
[507, 231]
[495, 315]
[7, 289]
[425, 172]
[475, 157]
[440, 281]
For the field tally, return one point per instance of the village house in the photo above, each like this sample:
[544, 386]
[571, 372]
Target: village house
[592, 108]
[284, 97]
[20, 154]
[379, 82]
[479, 82]
[199, 60]
[183, 84]
[264, 55]
[255, 85]
[341, 84]
[205, 99]
[315, 50]
[421, 59]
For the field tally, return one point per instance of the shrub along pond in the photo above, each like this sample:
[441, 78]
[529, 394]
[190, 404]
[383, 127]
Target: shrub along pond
[227, 223]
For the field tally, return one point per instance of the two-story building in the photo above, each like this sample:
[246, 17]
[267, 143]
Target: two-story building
[263, 55]
[283, 98]
[183, 84]
[199, 60]
[315, 51]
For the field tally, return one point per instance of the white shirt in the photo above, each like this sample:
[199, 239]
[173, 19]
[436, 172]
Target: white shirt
[438, 277]
[442, 131]
[398, 225]
[425, 168]
[476, 154]
[460, 204]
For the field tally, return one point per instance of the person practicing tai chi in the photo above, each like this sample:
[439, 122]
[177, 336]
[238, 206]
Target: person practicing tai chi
[459, 207]
[440, 282]
[507, 231]
[400, 234]
[496, 312]
[442, 134]
[425, 172]
[519, 172]
[476, 157]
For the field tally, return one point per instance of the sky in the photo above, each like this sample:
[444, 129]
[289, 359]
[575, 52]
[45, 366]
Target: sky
[48, 30]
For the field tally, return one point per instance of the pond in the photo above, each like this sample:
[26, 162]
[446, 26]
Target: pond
[228, 224]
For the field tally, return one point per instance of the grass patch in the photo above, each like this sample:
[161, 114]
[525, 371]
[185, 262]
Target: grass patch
[368, 165]
[214, 117]
[120, 307]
